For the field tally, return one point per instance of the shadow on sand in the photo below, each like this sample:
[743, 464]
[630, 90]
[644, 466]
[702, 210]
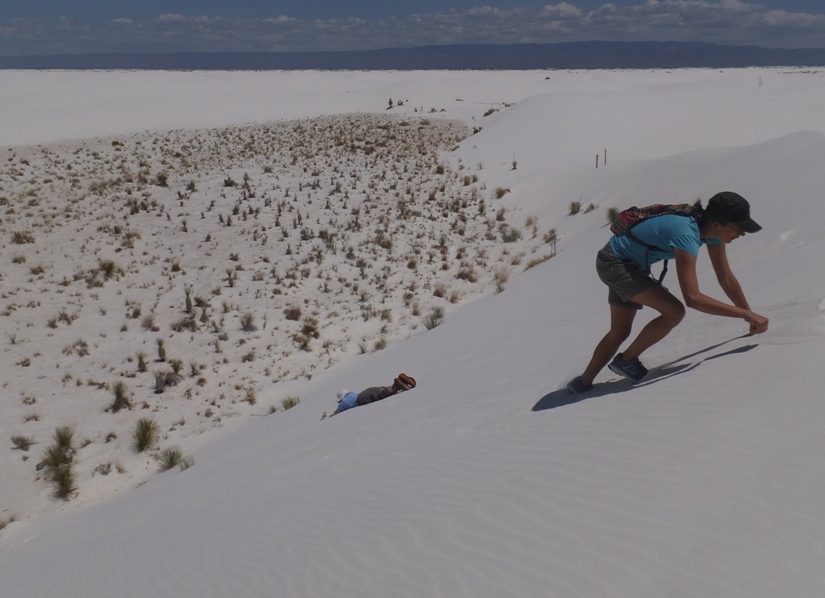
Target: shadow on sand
[562, 397]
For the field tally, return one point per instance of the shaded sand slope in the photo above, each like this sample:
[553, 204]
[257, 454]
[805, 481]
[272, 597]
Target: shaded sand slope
[705, 480]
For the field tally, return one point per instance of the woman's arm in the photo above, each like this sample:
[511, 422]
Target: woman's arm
[724, 275]
[695, 299]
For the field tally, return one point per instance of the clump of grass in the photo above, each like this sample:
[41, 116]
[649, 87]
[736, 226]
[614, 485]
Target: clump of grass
[57, 460]
[144, 434]
[612, 214]
[23, 443]
[434, 318]
[248, 322]
[6, 520]
[501, 277]
[64, 437]
[22, 237]
[110, 269]
[148, 322]
[121, 400]
[467, 273]
[292, 313]
[56, 457]
[65, 484]
[173, 456]
[509, 234]
[290, 402]
[551, 237]
[536, 261]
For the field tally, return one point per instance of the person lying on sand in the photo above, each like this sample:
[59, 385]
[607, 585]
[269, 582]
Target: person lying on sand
[624, 266]
[348, 400]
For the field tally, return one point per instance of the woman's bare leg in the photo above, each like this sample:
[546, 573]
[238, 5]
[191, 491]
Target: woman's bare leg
[671, 312]
[621, 323]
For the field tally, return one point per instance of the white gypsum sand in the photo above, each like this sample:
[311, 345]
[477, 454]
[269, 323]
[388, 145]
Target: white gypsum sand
[485, 480]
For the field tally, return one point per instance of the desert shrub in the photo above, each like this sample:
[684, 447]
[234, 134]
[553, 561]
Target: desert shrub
[292, 313]
[434, 318]
[309, 327]
[536, 261]
[6, 520]
[302, 341]
[509, 234]
[248, 322]
[109, 269]
[551, 237]
[290, 402]
[144, 434]
[64, 436]
[148, 322]
[502, 275]
[22, 443]
[22, 237]
[185, 323]
[501, 192]
[56, 457]
[164, 378]
[467, 273]
[121, 400]
[170, 457]
[65, 484]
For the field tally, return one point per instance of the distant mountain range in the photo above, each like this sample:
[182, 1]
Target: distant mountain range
[574, 55]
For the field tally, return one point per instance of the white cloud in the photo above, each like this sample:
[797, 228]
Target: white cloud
[780, 18]
[563, 10]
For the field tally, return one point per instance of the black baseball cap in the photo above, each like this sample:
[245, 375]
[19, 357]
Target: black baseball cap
[728, 207]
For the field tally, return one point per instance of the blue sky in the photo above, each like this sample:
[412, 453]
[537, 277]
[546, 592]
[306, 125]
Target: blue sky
[76, 26]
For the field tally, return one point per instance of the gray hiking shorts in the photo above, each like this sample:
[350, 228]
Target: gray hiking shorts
[624, 279]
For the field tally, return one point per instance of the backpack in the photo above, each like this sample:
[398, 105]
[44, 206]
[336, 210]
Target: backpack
[627, 219]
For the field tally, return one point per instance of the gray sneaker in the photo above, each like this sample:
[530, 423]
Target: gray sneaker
[577, 387]
[632, 369]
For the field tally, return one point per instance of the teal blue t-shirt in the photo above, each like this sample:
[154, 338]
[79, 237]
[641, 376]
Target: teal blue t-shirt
[665, 232]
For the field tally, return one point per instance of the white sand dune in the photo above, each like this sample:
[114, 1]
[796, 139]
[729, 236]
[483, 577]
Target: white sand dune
[489, 479]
